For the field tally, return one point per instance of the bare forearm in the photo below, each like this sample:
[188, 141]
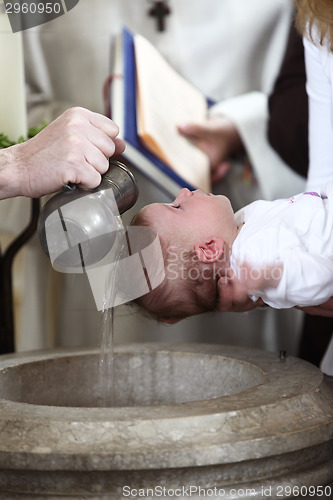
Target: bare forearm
[10, 181]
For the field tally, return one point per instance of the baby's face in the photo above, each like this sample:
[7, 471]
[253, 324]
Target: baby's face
[192, 215]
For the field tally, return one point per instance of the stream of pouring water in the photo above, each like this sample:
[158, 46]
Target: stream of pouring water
[106, 358]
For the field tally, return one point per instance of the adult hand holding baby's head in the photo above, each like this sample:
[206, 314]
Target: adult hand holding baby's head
[233, 294]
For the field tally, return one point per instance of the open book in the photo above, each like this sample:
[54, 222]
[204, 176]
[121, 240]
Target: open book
[148, 99]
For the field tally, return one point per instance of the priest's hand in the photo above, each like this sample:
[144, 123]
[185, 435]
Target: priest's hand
[74, 148]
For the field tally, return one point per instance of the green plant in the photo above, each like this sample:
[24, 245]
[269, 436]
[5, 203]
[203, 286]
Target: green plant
[5, 142]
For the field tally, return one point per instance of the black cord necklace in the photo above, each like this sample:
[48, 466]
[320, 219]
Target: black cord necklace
[159, 9]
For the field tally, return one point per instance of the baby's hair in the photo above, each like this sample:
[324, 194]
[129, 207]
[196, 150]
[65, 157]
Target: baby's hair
[318, 12]
[187, 288]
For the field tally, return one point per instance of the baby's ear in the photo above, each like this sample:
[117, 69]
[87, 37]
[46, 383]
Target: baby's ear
[210, 250]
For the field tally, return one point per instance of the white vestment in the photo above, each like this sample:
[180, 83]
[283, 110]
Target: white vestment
[230, 49]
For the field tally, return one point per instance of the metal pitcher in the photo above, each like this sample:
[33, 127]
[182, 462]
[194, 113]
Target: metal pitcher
[77, 227]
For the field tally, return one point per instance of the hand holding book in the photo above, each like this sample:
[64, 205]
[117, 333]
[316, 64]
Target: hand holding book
[218, 137]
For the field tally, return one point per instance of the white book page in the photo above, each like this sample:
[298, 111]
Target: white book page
[165, 100]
